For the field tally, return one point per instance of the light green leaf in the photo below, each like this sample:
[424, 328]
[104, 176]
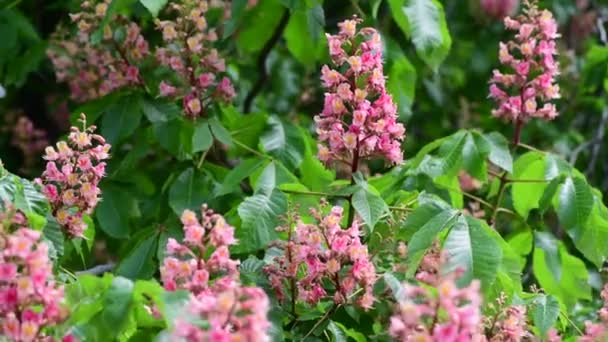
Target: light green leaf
[427, 221]
[545, 312]
[526, 196]
[471, 247]
[428, 29]
[259, 218]
[402, 85]
[496, 147]
[154, 6]
[274, 175]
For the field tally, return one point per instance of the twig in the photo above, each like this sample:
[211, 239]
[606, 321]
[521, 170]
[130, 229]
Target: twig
[251, 150]
[531, 148]
[329, 312]
[511, 180]
[571, 323]
[401, 208]
[312, 193]
[97, 270]
[203, 156]
[599, 136]
[261, 82]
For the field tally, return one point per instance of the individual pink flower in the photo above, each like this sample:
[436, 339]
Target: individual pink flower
[532, 83]
[357, 111]
[203, 266]
[336, 261]
[74, 190]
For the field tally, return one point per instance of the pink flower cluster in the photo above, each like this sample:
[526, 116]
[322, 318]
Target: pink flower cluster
[94, 70]
[30, 300]
[72, 175]
[202, 265]
[598, 331]
[499, 8]
[323, 260]
[189, 53]
[29, 140]
[359, 118]
[447, 314]
[508, 324]
[531, 58]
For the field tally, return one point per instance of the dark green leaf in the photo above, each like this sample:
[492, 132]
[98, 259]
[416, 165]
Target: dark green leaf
[259, 218]
[154, 6]
[190, 190]
[402, 85]
[202, 138]
[114, 212]
[284, 141]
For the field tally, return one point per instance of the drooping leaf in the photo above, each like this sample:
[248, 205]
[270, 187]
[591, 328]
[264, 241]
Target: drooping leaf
[121, 119]
[139, 262]
[496, 147]
[202, 138]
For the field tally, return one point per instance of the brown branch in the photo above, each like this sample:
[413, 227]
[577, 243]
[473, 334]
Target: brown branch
[261, 82]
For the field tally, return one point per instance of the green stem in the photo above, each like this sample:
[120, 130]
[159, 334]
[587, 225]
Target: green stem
[314, 327]
[251, 150]
[312, 193]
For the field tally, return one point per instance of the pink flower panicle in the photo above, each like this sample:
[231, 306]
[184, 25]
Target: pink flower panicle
[94, 70]
[29, 140]
[530, 56]
[598, 331]
[202, 265]
[509, 322]
[30, 300]
[448, 313]
[317, 255]
[499, 8]
[190, 54]
[359, 118]
[73, 171]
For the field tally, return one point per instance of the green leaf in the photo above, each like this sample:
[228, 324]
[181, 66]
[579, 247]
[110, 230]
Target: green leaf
[237, 12]
[314, 175]
[115, 210]
[496, 147]
[470, 246]
[117, 305]
[121, 119]
[202, 138]
[253, 36]
[368, 203]
[154, 6]
[25, 197]
[284, 141]
[402, 85]
[259, 218]
[176, 137]
[426, 222]
[575, 202]
[394, 284]
[573, 283]
[220, 132]
[139, 262]
[545, 312]
[53, 233]
[160, 111]
[428, 28]
[526, 196]
[274, 175]
[190, 190]
[336, 332]
[238, 174]
[303, 33]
